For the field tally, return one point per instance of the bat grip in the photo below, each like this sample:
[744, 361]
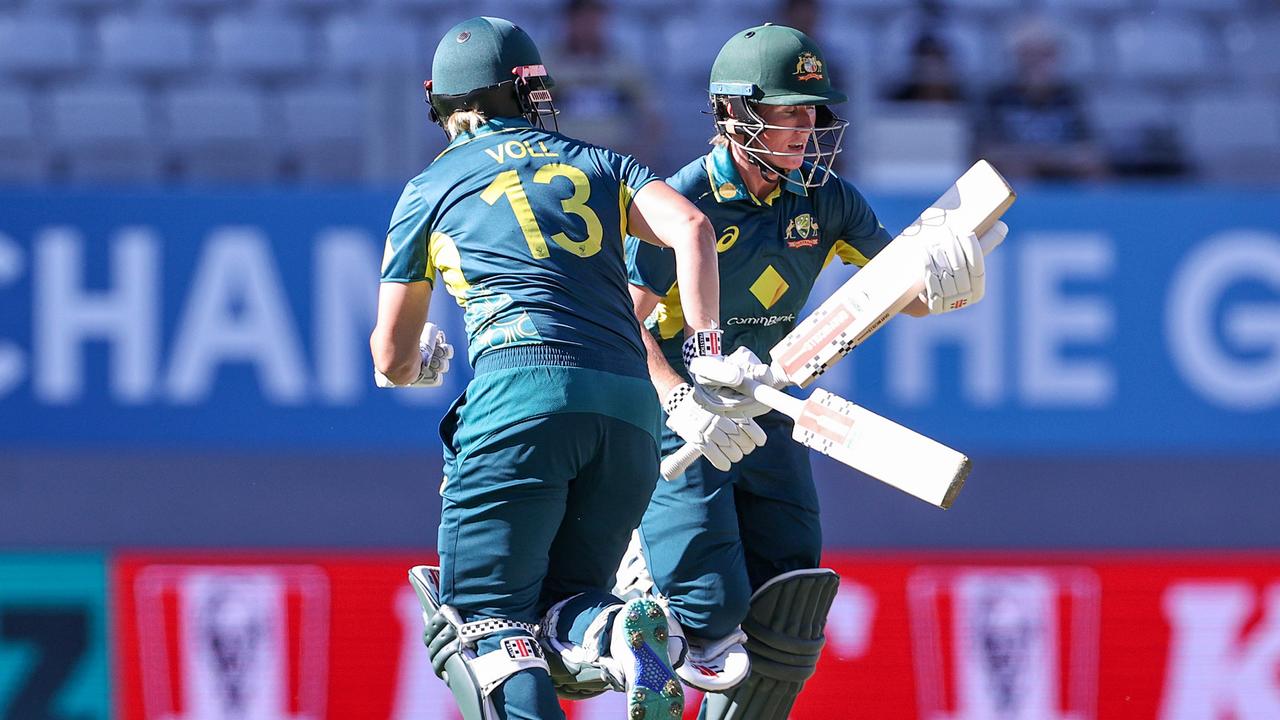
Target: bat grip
[677, 462]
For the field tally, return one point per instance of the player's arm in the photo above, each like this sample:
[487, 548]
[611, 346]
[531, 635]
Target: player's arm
[661, 216]
[402, 314]
[408, 350]
[722, 440]
[663, 375]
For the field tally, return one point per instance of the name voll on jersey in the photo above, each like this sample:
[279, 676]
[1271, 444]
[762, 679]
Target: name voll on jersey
[761, 320]
[516, 149]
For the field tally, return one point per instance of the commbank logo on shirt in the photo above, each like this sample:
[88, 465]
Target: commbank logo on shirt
[769, 287]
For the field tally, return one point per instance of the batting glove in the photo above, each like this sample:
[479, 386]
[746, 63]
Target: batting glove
[721, 440]
[436, 353]
[718, 380]
[955, 267]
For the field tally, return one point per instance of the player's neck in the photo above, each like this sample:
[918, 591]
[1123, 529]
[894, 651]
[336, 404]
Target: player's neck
[759, 184]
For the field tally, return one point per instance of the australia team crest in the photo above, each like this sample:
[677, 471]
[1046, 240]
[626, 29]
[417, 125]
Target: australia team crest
[808, 67]
[802, 231]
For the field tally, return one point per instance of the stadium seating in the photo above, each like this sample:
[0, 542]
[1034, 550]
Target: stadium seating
[219, 133]
[147, 45]
[102, 133]
[1235, 135]
[278, 61]
[37, 46]
[323, 130]
[20, 158]
[1169, 48]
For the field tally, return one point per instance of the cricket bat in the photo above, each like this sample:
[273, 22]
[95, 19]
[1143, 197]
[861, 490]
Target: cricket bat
[861, 439]
[887, 284]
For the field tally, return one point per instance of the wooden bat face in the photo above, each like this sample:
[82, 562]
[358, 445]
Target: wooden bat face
[880, 290]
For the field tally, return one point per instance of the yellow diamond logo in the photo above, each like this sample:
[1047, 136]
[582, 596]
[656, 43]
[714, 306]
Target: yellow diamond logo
[769, 287]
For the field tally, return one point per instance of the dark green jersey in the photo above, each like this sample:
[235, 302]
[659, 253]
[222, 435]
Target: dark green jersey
[526, 228]
[771, 251]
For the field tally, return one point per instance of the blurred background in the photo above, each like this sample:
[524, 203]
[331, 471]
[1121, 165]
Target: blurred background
[207, 509]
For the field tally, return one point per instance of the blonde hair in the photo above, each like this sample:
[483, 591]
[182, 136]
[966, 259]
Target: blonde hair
[464, 121]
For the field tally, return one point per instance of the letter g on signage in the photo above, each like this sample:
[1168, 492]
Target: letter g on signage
[1196, 291]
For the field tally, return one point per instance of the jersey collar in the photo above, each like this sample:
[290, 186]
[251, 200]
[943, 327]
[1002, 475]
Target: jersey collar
[727, 184]
[492, 127]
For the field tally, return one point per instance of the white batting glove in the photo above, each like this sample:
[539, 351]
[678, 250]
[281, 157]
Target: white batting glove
[721, 440]
[436, 353]
[718, 380]
[955, 267]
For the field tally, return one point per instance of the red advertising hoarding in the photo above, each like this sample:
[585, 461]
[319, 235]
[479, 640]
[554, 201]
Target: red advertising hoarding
[933, 636]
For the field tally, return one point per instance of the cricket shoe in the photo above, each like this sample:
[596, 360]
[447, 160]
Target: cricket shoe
[639, 646]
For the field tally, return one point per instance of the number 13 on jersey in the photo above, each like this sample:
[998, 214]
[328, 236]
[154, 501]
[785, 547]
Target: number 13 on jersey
[508, 183]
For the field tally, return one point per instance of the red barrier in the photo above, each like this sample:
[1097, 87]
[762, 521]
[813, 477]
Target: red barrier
[941, 637]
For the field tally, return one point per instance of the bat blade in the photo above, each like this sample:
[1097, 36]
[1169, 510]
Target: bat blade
[887, 284]
[896, 455]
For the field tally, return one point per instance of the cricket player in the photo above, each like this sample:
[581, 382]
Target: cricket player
[738, 550]
[550, 454]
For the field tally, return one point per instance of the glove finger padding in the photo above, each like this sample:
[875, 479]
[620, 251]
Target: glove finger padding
[721, 440]
[954, 270]
[750, 435]
[977, 268]
[726, 439]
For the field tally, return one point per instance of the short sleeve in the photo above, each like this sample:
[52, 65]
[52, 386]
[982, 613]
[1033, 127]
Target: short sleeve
[861, 234]
[632, 175]
[405, 258]
[635, 175]
[649, 266]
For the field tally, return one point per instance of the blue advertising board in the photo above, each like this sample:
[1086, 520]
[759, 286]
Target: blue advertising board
[1116, 321]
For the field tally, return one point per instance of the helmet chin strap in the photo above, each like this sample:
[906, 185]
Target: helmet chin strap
[768, 172]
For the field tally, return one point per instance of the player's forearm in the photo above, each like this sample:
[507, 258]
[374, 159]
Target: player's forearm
[398, 362]
[664, 377]
[402, 312]
[661, 216]
[698, 276]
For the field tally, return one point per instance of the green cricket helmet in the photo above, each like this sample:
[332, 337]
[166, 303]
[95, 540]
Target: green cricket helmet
[776, 65]
[489, 65]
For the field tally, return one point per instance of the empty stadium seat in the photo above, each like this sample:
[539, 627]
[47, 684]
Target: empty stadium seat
[1254, 46]
[317, 5]
[324, 129]
[21, 161]
[1235, 135]
[1090, 7]
[1221, 6]
[1117, 114]
[219, 132]
[357, 43]
[912, 147]
[147, 45]
[260, 46]
[88, 6]
[204, 7]
[102, 132]
[37, 45]
[1169, 47]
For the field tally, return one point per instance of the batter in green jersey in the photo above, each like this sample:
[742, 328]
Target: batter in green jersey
[734, 551]
[550, 454]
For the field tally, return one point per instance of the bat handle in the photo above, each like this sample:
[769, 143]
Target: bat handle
[990, 240]
[677, 462]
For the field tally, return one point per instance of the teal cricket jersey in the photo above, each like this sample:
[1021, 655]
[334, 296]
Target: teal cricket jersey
[526, 228]
[771, 251]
